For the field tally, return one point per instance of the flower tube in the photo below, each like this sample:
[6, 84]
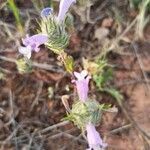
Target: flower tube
[63, 8]
[94, 140]
[82, 84]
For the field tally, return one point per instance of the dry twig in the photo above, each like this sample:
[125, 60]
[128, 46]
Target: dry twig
[35, 64]
[39, 91]
[141, 65]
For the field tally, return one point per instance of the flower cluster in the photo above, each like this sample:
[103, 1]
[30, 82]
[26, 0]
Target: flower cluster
[85, 113]
[94, 140]
[52, 34]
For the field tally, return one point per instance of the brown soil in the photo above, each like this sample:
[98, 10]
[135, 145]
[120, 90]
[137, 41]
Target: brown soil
[22, 121]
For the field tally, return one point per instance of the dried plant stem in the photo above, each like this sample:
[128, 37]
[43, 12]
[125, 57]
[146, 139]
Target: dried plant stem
[128, 28]
[35, 64]
[68, 136]
[129, 82]
[12, 116]
[115, 42]
[141, 66]
[54, 127]
[39, 134]
[39, 91]
[120, 129]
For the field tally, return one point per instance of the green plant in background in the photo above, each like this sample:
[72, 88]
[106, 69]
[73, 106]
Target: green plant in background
[69, 22]
[50, 92]
[40, 4]
[2, 75]
[142, 18]
[114, 93]
[23, 66]
[102, 78]
[101, 81]
[68, 62]
[15, 10]
[85, 2]
[136, 4]
[102, 74]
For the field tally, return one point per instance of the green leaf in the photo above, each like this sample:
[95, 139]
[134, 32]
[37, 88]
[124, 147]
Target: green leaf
[69, 64]
[102, 78]
[58, 38]
[15, 10]
[114, 93]
[23, 66]
[104, 107]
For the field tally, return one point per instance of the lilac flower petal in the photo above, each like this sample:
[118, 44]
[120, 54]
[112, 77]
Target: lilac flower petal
[46, 12]
[63, 8]
[37, 49]
[26, 51]
[82, 75]
[38, 38]
[35, 41]
[25, 42]
[82, 89]
[94, 140]
[78, 76]
[82, 84]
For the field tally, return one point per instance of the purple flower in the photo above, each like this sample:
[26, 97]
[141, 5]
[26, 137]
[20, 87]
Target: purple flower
[35, 41]
[94, 140]
[63, 8]
[32, 44]
[46, 12]
[82, 84]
